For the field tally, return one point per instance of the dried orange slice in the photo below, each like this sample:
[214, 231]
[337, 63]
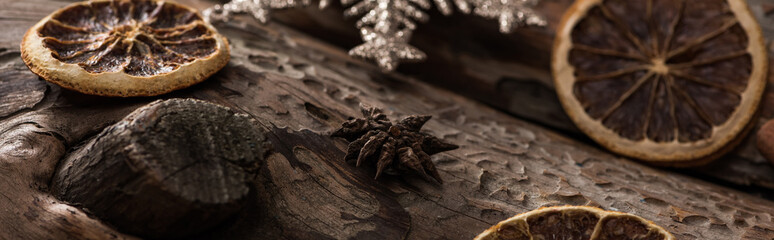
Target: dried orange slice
[672, 82]
[124, 47]
[575, 222]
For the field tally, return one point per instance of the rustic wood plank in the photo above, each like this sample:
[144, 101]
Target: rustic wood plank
[511, 72]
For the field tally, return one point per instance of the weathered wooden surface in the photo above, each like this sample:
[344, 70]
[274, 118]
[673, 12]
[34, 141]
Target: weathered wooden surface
[189, 164]
[31, 145]
[302, 89]
[511, 72]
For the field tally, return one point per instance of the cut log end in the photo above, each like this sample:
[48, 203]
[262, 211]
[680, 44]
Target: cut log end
[169, 169]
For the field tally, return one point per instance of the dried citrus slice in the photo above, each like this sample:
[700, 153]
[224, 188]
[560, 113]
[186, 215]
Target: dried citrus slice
[577, 223]
[672, 82]
[124, 47]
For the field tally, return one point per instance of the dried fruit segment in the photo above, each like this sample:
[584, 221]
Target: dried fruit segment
[627, 227]
[144, 39]
[558, 224]
[667, 81]
[124, 47]
[576, 223]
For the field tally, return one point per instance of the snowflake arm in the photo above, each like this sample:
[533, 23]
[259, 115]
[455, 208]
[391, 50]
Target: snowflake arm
[509, 13]
[387, 50]
[260, 9]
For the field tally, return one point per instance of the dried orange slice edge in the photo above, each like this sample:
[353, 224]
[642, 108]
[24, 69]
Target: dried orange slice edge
[636, 67]
[575, 222]
[124, 47]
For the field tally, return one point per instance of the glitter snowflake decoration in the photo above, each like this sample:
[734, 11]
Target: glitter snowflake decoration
[386, 25]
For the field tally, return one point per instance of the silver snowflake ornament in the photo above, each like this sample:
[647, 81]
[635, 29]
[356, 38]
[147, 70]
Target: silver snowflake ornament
[386, 25]
[388, 14]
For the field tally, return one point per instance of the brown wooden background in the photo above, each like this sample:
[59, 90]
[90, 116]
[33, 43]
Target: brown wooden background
[301, 86]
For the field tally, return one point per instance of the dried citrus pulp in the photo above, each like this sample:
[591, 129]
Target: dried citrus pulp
[577, 223]
[124, 48]
[673, 82]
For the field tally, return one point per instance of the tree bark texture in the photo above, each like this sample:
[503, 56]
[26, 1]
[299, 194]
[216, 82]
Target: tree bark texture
[468, 55]
[301, 89]
[168, 170]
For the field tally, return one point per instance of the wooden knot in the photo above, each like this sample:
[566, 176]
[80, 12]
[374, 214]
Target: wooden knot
[169, 169]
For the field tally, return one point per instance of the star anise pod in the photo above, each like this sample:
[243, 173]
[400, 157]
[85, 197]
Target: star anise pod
[394, 148]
